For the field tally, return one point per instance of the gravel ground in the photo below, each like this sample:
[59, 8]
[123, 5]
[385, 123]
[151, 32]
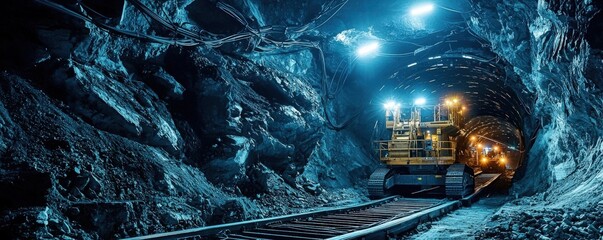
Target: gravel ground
[473, 219]
[499, 217]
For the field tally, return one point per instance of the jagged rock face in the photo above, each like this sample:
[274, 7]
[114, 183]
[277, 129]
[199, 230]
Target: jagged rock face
[546, 43]
[104, 136]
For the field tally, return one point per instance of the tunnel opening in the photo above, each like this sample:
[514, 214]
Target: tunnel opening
[446, 65]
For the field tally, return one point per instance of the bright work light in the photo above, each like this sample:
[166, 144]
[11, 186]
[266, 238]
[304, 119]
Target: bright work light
[391, 105]
[421, 9]
[420, 101]
[368, 49]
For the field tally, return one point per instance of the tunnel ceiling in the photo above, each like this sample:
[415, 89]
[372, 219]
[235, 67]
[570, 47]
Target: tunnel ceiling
[481, 85]
[429, 57]
[434, 57]
[457, 63]
[495, 128]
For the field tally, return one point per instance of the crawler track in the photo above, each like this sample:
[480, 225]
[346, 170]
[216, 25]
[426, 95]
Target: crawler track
[372, 220]
[375, 185]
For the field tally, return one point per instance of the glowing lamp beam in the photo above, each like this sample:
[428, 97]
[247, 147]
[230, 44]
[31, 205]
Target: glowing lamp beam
[368, 49]
[420, 101]
[421, 9]
[391, 105]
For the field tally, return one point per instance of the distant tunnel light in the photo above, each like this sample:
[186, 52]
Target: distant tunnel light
[421, 9]
[368, 49]
[420, 101]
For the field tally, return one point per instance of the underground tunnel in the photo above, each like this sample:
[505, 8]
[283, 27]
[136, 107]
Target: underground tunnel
[339, 119]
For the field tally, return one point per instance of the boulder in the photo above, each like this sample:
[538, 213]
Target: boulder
[123, 107]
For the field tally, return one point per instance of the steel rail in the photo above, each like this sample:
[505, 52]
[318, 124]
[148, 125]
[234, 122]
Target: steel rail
[216, 229]
[401, 224]
[372, 220]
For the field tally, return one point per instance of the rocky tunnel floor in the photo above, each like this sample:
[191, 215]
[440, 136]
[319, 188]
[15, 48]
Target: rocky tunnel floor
[472, 219]
[503, 217]
[529, 219]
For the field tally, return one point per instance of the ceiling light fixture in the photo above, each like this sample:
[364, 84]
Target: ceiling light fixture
[368, 49]
[420, 101]
[391, 105]
[421, 9]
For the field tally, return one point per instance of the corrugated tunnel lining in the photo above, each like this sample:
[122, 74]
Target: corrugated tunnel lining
[495, 109]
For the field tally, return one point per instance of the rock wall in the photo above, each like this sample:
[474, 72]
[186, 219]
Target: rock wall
[546, 43]
[103, 136]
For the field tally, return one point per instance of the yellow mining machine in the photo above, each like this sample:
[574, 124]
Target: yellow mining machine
[421, 156]
[491, 160]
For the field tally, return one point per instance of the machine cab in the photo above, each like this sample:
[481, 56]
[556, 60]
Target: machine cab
[421, 134]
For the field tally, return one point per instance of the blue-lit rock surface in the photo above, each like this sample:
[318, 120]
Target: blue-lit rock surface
[105, 136]
[121, 138]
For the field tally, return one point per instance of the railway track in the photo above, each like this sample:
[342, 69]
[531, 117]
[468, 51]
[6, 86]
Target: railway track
[372, 220]
[333, 225]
